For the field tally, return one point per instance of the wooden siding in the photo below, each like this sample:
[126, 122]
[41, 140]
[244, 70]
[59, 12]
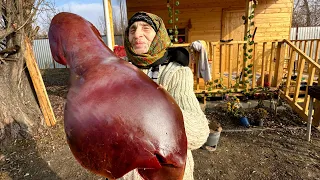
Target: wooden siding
[273, 20]
[205, 17]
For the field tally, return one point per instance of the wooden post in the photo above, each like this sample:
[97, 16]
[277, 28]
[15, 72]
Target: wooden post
[247, 25]
[111, 23]
[214, 61]
[271, 73]
[311, 73]
[309, 120]
[263, 68]
[316, 120]
[223, 58]
[299, 78]
[246, 29]
[279, 65]
[230, 58]
[290, 70]
[255, 63]
[38, 84]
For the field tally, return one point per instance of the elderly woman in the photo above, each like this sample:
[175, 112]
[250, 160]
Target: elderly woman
[146, 45]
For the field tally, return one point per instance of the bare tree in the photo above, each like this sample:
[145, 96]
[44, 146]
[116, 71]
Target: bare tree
[45, 13]
[116, 24]
[118, 17]
[123, 14]
[306, 13]
[19, 110]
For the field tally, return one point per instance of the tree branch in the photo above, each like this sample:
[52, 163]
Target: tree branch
[6, 32]
[32, 14]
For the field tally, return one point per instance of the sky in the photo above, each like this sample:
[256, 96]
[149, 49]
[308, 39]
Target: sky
[88, 9]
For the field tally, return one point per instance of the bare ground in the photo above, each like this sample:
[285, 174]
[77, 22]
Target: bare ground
[276, 151]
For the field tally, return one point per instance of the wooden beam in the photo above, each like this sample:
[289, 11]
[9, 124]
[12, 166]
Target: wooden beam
[214, 61]
[38, 84]
[316, 117]
[294, 106]
[301, 64]
[263, 68]
[290, 71]
[111, 22]
[230, 60]
[246, 29]
[255, 63]
[279, 64]
[271, 74]
[311, 73]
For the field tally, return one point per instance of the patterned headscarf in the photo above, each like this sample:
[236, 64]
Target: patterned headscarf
[157, 48]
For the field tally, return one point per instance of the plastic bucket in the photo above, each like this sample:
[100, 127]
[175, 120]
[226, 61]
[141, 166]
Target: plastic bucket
[213, 139]
[244, 121]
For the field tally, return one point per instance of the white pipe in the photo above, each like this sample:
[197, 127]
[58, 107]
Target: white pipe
[107, 22]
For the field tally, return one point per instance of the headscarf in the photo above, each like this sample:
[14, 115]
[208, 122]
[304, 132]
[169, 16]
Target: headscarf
[158, 49]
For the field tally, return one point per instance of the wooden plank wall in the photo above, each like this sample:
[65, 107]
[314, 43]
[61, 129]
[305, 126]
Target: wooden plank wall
[273, 18]
[273, 22]
[205, 17]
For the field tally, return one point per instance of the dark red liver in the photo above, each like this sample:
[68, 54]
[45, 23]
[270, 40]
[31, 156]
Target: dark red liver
[116, 118]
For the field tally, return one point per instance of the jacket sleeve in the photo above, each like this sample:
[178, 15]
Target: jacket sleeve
[196, 124]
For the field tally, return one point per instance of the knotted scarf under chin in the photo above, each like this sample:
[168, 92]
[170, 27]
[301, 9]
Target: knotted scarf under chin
[157, 53]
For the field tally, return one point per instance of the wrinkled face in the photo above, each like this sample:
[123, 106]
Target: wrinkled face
[141, 35]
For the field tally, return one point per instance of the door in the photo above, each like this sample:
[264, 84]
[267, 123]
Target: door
[233, 25]
[232, 28]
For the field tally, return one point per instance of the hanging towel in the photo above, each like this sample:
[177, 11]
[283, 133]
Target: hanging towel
[203, 69]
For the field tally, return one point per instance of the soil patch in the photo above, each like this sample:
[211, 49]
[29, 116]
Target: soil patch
[278, 150]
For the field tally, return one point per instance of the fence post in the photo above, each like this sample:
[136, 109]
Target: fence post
[278, 72]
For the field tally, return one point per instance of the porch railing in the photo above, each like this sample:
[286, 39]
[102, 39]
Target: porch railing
[288, 65]
[228, 65]
[307, 74]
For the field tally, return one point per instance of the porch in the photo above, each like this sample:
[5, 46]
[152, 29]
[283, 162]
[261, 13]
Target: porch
[290, 66]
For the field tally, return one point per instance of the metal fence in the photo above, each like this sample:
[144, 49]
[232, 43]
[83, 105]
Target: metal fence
[43, 55]
[42, 51]
[304, 33]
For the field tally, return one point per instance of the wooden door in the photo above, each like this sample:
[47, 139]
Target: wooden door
[232, 28]
[233, 25]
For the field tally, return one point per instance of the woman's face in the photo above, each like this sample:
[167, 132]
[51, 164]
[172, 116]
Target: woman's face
[141, 35]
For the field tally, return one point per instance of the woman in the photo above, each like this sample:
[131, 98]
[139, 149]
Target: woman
[146, 45]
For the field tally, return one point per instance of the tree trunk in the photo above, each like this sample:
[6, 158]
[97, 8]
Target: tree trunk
[19, 110]
[308, 14]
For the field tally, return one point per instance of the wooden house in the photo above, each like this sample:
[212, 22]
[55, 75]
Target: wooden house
[212, 20]
[273, 58]
[215, 20]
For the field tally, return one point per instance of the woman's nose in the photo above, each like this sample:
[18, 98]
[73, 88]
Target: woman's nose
[138, 33]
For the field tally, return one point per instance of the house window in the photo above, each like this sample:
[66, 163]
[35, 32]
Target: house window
[182, 36]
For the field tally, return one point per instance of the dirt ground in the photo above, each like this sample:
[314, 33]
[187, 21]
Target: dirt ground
[278, 150]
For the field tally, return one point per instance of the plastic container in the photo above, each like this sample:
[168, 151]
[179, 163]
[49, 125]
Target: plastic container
[213, 139]
[244, 122]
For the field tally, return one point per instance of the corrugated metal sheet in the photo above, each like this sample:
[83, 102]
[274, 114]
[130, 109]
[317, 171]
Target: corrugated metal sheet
[41, 48]
[303, 33]
[43, 55]
[306, 33]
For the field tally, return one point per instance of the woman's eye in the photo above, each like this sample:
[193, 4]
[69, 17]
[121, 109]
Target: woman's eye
[132, 31]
